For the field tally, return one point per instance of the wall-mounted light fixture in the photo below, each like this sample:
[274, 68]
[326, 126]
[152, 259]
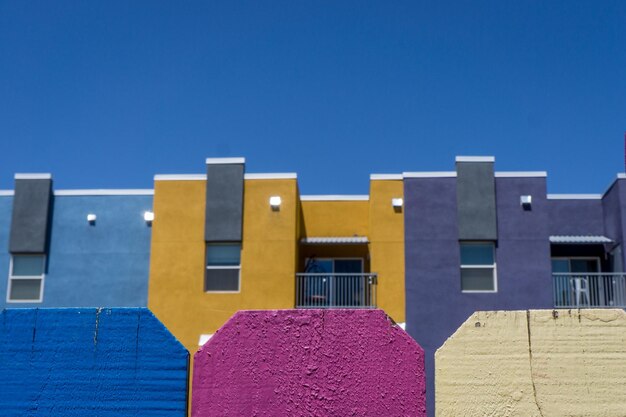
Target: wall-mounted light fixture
[91, 219]
[397, 204]
[526, 201]
[275, 202]
[148, 216]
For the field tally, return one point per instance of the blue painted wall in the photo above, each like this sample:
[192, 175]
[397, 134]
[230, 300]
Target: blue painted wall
[90, 362]
[436, 307]
[106, 264]
[576, 217]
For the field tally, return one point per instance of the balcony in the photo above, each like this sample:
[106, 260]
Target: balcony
[589, 290]
[336, 290]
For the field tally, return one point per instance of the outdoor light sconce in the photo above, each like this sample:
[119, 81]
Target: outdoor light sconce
[91, 219]
[397, 204]
[148, 216]
[275, 202]
[525, 201]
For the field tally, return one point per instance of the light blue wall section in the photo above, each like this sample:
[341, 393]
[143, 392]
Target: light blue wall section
[105, 264]
[90, 362]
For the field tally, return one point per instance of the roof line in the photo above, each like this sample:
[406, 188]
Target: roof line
[433, 174]
[213, 161]
[27, 176]
[384, 177]
[475, 159]
[272, 176]
[574, 196]
[104, 192]
[334, 197]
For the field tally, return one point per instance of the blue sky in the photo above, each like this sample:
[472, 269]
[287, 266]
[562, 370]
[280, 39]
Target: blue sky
[105, 94]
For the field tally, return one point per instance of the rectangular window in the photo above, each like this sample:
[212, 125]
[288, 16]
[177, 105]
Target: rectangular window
[478, 267]
[223, 265]
[26, 275]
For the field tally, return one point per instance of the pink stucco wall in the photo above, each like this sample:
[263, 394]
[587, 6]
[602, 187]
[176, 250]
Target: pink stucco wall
[309, 363]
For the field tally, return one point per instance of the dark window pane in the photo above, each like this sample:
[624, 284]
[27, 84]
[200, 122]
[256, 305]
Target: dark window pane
[223, 254]
[25, 289]
[476, 254]
[477, 279]
[221, 280]
[584, 265]
[560, 265]
[348, 266]
[28, 265]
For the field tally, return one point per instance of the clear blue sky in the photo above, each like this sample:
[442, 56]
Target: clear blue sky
[105, 94]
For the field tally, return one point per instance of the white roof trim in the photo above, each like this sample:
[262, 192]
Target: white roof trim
[574, 196]
[475, 159]
[335, 240]
[7, 193]
[621, 175]
[180, 177]
[436, 174]
[44, 176]
[579, 239]
[334, 198]
[104, 192]
[520, 174]
[272, 176]
[384, 177]
[210, 161]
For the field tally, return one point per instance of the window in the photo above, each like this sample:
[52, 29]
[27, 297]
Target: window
[26, 275]
[478, 267]
[223, 263]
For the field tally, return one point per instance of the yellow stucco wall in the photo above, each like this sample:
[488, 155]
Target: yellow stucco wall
[374, 218]
[386, 235]
[176, 288]
[543, 363]
[335, 218]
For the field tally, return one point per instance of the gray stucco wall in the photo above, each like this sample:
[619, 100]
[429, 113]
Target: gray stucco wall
[30, 216]
[224, 203]
[476, 201]
[105, 264]
[436, 307]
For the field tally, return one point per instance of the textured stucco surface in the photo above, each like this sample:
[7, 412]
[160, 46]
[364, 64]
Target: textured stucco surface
[543, 363]
[90, 362]
[309, 363]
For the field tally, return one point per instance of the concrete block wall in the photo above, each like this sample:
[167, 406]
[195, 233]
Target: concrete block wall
[309, 363]
[536, 363]
[90, 362]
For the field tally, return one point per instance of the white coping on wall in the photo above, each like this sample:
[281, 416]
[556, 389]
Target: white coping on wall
[44, 176]
[520, 174]
[104, 192]
[272, 176]
[435, 174]
[180, 177]
[5, 193]
[334, 197]
[475, 159]
[574, 196]
[621, 175]
[384, 177]
[210, 161]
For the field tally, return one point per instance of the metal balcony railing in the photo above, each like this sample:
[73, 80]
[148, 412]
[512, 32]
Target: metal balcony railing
[587, 290]
[323, 290]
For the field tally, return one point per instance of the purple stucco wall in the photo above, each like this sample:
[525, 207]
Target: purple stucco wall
[309, 363]
[435, 305]
[576, 217]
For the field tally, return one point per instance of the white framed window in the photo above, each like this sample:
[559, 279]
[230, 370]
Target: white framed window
[26, 278]
[478, 267]
[223, 267]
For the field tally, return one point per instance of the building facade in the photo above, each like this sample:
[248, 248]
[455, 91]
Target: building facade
[73, 248]
[227, 240]
[483, 240]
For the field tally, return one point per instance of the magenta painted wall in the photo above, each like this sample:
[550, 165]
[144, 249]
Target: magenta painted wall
[310, 363]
